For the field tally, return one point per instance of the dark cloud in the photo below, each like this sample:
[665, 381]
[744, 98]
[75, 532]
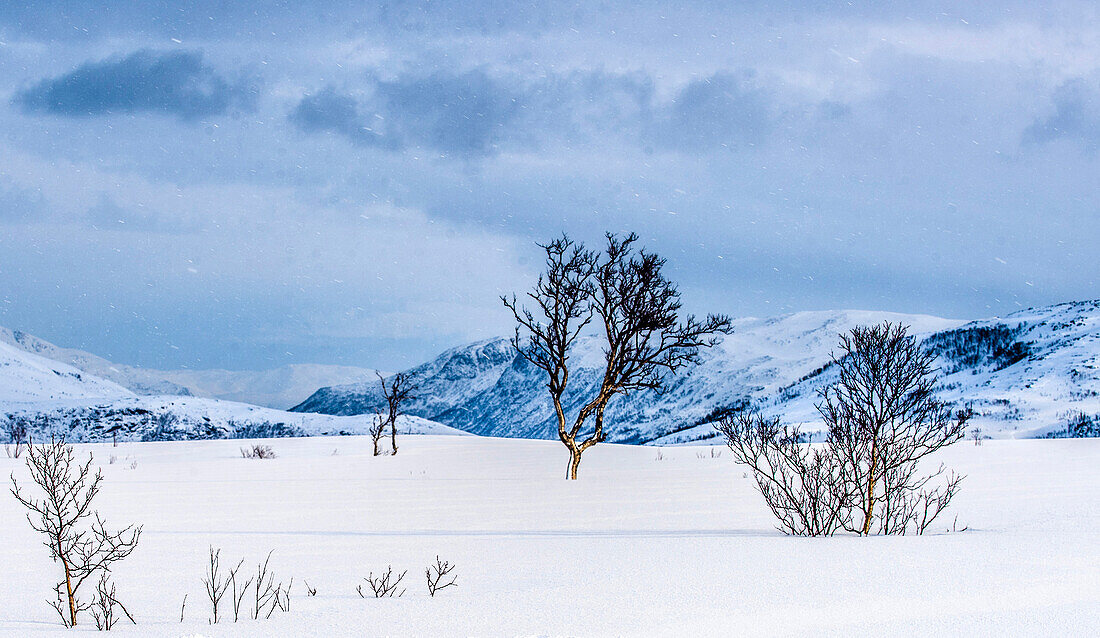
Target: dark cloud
[172, 82]
[473, 114]
[1076, 115]
[464, 114]
[723, 110]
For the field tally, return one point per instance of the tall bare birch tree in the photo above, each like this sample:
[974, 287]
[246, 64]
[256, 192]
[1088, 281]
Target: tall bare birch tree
[623, 292]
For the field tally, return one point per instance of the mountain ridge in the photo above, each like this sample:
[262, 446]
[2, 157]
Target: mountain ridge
[777, 364]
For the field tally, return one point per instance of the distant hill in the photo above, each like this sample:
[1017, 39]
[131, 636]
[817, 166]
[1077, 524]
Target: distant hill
[278, 388]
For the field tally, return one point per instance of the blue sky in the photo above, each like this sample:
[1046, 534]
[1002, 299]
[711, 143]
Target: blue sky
[243, 185]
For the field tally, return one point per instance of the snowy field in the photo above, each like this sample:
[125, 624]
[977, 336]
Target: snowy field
[651, 541]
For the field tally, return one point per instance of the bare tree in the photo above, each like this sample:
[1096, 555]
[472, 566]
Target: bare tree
[75, 533]
[882, 418]
[801, 485]
[638, 315]
[397, 394]
[436, 575]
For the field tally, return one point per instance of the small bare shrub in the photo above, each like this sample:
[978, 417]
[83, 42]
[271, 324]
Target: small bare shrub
[215, 582]
[384, 585]
[310, 591]
[437, 576]
[267, 595]
[882, 419]
[238, 590]
[258, 451]
[104, 604]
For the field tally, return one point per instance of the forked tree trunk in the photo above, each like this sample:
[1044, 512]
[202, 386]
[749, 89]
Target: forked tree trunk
[869, 513]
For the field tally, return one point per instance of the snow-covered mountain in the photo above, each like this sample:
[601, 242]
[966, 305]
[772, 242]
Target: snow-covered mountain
[1024, 374]
[279, 388]
[55, 399]
[28, 377]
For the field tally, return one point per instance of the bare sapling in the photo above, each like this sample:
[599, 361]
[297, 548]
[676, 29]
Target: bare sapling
[384, 585]
[377, 430]
[397, 394]
[637, 312]
[76, 535]
[440, 576]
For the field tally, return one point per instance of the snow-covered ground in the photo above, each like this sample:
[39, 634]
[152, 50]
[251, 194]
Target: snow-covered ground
[651, 541]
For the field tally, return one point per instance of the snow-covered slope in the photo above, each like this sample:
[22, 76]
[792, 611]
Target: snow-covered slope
[28, 377]
[279, 388]
[167, 418]
[675, 542]
[1024, 374]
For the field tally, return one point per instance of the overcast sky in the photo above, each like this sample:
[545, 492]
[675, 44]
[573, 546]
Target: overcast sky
[242, 185]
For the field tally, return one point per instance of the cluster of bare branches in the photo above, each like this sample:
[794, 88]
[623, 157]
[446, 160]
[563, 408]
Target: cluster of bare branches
[799, 484]
[882, 419]
[258, 451]
[438, 574]
[637, 311]
[397, 393]
[387, 584]
[383, 585]
[267, 595]
[75, 533]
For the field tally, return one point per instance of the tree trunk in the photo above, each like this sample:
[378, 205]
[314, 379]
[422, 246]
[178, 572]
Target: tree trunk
[69, 593]
[869, 512]
[574, 461]
[393, 435]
